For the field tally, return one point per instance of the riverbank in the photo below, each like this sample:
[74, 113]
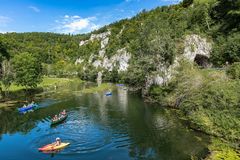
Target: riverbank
[221, 151]
[47, 82]
[208, 100]
[101, 88]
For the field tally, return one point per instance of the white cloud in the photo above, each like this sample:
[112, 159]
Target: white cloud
[3, 31]
[76, 24]
[34, 8]
[4, 20]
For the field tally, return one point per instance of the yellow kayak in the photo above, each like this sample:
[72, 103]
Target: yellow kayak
[53, 147]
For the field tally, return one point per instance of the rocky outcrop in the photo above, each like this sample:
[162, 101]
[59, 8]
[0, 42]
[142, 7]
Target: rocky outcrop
[197, 49]
[119, 60]
[103, 37]
[194, 47]
[79, 61]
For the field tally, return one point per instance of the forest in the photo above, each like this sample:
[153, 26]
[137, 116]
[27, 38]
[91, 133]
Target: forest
[208, 98]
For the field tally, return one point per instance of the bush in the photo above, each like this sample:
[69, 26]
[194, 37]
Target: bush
[226, 50]
[187, 3]
[208, 99]
[233, 71]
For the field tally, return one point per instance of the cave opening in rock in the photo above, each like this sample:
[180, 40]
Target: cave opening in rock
[202, 60]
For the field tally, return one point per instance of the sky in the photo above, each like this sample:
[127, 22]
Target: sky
[68, 16]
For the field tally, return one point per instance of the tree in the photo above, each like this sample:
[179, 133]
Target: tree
[226, 50]
[28, 70]
[187, 3]
[162, 48]
[7, 74]
[227, 11]
[3, 52]
[233, 71]
[4, 55]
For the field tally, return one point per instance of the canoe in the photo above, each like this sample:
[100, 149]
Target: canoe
[28, 108]
[108, 93]
[52, 147]
[59, 120]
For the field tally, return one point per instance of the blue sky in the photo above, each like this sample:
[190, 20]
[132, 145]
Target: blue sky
[68, 16]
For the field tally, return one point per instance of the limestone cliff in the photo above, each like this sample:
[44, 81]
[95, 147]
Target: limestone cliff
[196, 49]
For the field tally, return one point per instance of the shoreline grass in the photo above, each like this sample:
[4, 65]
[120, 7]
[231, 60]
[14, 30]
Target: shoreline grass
[47, 82]
[102, 87]
[221, 150]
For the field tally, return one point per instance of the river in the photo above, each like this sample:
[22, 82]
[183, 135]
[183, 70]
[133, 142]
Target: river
[117, 127]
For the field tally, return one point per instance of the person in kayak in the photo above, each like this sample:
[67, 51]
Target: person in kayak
[24, 106]
[32, 103]
[58, 141]
[64, 112]
[55, 118]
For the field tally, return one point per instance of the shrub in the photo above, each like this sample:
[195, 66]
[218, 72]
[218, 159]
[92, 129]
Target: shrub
[233, 71]
[187, 3]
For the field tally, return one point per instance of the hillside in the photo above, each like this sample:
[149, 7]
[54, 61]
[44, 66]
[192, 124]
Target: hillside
[131, 44]
[185, 56]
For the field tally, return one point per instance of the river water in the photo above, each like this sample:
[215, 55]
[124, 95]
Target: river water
[99, 127]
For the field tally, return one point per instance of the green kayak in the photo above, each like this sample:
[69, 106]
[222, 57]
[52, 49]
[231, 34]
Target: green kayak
[59, 120]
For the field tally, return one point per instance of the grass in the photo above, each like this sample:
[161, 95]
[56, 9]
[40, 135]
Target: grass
[102, 87]
[54, 81]
[222, 151]
[8, 104]
[209, 100]
[204, 1]
[47, 82]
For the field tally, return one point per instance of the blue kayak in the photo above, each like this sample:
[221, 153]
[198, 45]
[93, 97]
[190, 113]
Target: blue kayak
[108, 93]
[28, 108]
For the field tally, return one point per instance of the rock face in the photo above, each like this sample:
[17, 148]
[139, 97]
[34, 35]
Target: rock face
[103, 37]
[79, 61]
[196, 49]
[119, 60]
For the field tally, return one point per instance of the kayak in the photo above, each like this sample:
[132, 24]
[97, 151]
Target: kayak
[53, 147]
[108, 93]
[59, 120]
[28, 108]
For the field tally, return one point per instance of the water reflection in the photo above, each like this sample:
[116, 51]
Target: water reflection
[120, 126]
[122, 98]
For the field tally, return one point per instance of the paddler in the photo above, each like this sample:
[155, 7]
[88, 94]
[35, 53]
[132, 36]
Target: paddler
[32, 103]
[64, 112]
[58, 141]
[55, 118]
